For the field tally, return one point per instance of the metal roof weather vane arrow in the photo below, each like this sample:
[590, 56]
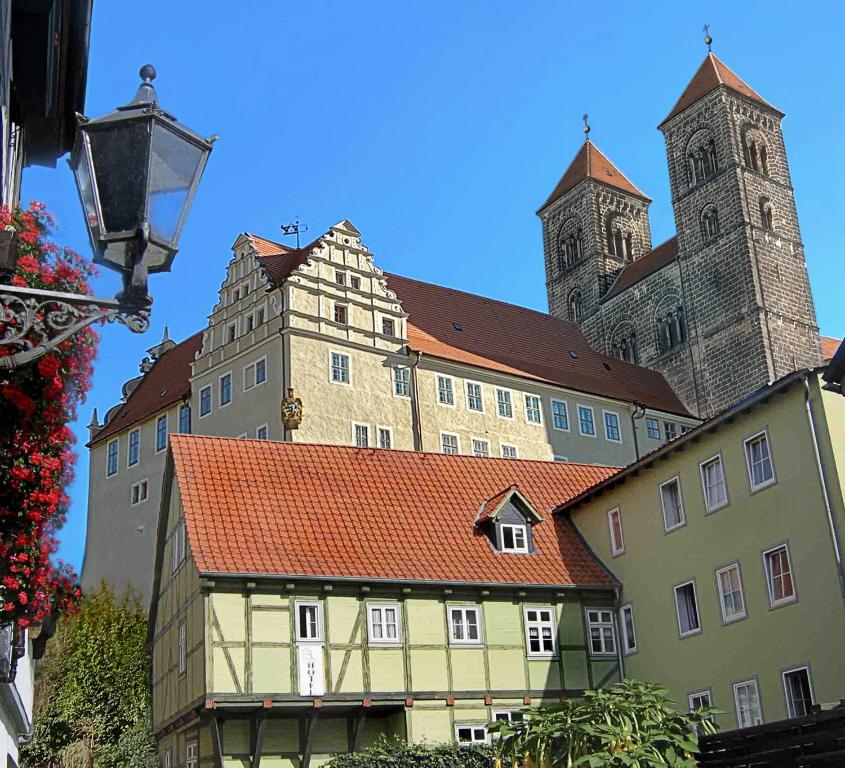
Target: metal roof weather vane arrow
[294, 228]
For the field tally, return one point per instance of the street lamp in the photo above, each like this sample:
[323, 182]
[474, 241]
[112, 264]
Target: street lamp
[137, 170]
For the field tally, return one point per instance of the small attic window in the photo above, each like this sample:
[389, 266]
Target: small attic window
[457, 326]
[514, 538]
[573, 354]
[508, 519]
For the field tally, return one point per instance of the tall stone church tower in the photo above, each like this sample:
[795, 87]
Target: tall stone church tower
[724, 307]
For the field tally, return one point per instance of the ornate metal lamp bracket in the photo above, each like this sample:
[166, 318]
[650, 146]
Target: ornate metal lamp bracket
[37, 321]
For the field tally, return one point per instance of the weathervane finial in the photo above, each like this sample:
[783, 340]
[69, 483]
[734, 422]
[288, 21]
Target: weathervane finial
[707, 39]
[586, 127]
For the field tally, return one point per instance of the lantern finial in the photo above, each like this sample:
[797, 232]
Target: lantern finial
[147, 73]
[146, 91]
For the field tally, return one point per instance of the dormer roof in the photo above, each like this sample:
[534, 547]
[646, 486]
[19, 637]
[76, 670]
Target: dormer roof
[492, 507]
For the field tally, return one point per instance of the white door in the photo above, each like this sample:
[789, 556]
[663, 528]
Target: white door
[309, 648]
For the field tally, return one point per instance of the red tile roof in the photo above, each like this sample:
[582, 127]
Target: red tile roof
[644, 266]
[590, 163]
[280, 261]
[267, 247]
[285, 509]
[167, 382]
[829, 347]
[504, 337]
[710, 75]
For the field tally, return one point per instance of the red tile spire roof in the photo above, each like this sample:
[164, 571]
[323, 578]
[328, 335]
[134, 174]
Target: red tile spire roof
[710, 75]
[256, 507]
[591, 163]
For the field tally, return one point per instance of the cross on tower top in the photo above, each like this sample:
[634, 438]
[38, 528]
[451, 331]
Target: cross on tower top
[707, 39]
[586, 127]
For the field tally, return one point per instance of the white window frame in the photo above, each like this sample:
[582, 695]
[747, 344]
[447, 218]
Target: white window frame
[485, 441]
[145, 484]
[384, 641]
[266, 428]
[744, 683]
[129, 462]
[739, 616]
[254, 366]
[503, 446]
[793, 598]
[220, 403]
[298, 628]
[182, 647]
[389, 430]
[578, 407]
[508, 401]
[623, 629]
[451, 380]
[616, 549]
[689, 632]
[683, 515]
[708, 508]
[166, 432]
[698, 695]
[555, 401]
[604, 414]
[355, 425]
[745, 445]
[602, 624]
[656, 421]
[192, 754]
[395, 370]
[210, 401]
[167, 758]
[509, 715]
[552, 623]
[457, 443]
[515, 549]
[392, 321]
[473, 728]
[467, 385]
[116, 443]
[526, 397]
[348, 369]
[789, 704]
[178, 546]
[464, 610]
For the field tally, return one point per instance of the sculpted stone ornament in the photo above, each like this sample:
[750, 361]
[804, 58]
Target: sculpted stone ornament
[291, 411]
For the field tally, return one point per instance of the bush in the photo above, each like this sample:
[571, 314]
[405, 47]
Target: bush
[395, 753]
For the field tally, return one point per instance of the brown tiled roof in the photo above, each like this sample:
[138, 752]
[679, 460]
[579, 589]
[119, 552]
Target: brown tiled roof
[829, 347]
[644, 266]
[266, 247]
[290, 509]
[280, 264]
[471, 329]
[590, 163]
[710, 75]
[167, 382]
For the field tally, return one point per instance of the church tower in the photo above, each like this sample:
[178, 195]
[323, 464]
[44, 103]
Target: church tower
[595, 222]
[743, 276]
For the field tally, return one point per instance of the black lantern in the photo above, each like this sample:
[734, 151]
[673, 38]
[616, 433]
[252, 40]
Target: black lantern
[137, 170]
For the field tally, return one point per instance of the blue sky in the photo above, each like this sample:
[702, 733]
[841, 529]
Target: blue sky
[437, 128]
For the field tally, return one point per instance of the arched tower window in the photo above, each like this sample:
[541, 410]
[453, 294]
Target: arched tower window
[701, 157]
[570, 244]
[574, 304]
[710, 224]
[671, 329]
[756, 151]
[625, 345]
[620, 237]
[767, 214]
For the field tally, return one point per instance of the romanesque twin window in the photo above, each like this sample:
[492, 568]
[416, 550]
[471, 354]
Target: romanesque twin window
[574, 305]
[619, 242]
[570, 245]
[625, 348]
[671, 329]
[701, 158]
[756, 151]
[710, 224]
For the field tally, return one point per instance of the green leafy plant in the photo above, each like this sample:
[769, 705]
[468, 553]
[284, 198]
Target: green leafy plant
[395, 753]
[632, 724]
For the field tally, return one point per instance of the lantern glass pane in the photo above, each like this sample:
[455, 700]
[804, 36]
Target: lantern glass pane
[119, 155]
[84, 184]
[174, 164]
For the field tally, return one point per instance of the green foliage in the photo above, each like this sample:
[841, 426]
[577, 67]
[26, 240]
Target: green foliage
[95, 686]
[631, 724]
[395, 753]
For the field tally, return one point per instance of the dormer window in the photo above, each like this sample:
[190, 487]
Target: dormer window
[514, 537]
[507, 519]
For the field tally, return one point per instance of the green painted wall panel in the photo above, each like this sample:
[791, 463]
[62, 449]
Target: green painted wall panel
[507, 669]
[270, 626]
[271, 670]
[468, 669]
[331, 735]
[425, 622]
[347, 671]
[229, 612]
[428, 670]
[224, 681]
[430, 725]
[503, 623]
[281, 735]
[342, 614]
[387, 669]
[571, 624]
[575, 664]
[544, 674]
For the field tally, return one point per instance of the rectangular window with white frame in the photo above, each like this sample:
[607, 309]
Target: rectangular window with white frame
[161, 433]
[401, 381]
[182, 654]
[612, 429]
[586, 421]
[383, 624]
[672, 504]
[514, 538]
[533, 410]
[629, 633]
[255, 374]
[509, 451]
[112, 457]
[360, 435]
[749, 711]
[670, 430]
[758, 457]
[560, 415]
[205, 401]
[192, 754]
[480, 448]
[504, 403]
[185, 419]
[339, 365]
[507, 716]
[385, 437]
[713, 483]
[309, 621]
[262, 432]
[700, 700]
[139, 492]
[686, 609]
[798, 690]
[388, 326]
[614, 524]
[225, 389]
[475, 733]
[731, 598]
[464, 625]
[133, 455]
[445, 391]
[540, 631]
[652, 427]
[449, 443]
[601, 631]
[779, 578]
[475, 401]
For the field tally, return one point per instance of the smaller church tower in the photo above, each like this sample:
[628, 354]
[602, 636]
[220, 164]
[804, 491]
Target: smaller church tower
[594, 223]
